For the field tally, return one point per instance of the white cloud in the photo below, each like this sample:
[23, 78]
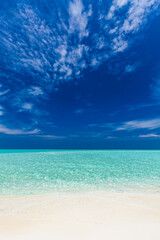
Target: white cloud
[140, 124]
[94, 62]
[78, 18]
[151, 135]
[134, 18]
[51, 53]
[119, 45]
[5, 130]
[116, 4]
[27, 106]
[35, 91]
[59, 53]
[137, 14]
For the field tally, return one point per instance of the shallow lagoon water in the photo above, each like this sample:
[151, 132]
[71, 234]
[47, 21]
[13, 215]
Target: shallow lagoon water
[47, 171]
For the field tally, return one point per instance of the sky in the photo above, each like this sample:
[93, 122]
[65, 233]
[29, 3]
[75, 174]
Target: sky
[80, 74]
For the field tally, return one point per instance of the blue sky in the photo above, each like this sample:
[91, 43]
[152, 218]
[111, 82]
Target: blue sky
[80, 74]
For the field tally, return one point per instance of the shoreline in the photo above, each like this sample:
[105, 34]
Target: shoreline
[86, 191]
[80, 216]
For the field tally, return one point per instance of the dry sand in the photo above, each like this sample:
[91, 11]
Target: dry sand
[95, 215]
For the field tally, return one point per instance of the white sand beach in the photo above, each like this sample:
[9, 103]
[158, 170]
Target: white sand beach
[78, 216]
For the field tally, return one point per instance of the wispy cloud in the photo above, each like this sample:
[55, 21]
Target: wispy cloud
[42, 49]
[140, 124]
[135, 16]
[150, 135]
[78, 18]
[47, 51]
[137, 12]
[35, 91]
[4, 92]
[129, 125]
[27, 106]
[111, 137]
[5, 130]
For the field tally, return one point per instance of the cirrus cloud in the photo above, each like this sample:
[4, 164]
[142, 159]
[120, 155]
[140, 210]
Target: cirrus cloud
[49, 53]
[43, 47]
[140, 124]
[6, 130]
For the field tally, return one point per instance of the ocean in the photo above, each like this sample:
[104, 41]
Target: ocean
[71, 171]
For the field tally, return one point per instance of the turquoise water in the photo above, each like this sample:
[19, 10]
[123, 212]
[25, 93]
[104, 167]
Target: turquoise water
[47, 171]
